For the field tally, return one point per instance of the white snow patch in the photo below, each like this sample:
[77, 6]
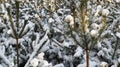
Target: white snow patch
[57, 30]
[7, 5]
[100, 53]
[9, 31]
[118, 34]
[60, 11]
[44, 63]
[105, 12]
[79, 52]
[118, 1]
[36, 16]
[4, 58]
[5, 16]
[51, 20]
[26, 17]
[21, 1]
[104, 64]
[41, 56]
[34, 62]
[70, 20]
[66, 44]
[46, 27]
[119, 60]
[99, 7]
[2, 49]
[94, 33]
[92, 64]
[81, 65]
[95, 26]
[99, 45]
[1, 65]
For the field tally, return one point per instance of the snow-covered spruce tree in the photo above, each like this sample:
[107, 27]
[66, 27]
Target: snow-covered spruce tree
[16, 31]
[88, 35]
[40, 16]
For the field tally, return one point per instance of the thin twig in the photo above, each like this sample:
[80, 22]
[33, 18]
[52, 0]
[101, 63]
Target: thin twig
[59, 44]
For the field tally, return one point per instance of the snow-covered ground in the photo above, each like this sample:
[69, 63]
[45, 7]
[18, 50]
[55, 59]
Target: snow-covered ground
[47, 37]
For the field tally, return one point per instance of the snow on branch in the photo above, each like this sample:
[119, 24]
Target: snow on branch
[44, 39]
[5, 59]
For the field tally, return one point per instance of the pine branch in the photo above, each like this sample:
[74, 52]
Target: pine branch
[17, 13]
[23, 28]
[11, 22]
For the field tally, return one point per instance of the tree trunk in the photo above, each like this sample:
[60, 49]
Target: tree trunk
[87, 58]
[17, 47]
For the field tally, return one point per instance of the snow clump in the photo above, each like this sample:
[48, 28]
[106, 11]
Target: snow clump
[104, 64]
[105, 12]
[70, 20]
[50, 20]
[7, 5]
[9, 31]
[46, 64]
[34, 62]
[40, 56]
[94, 33]
[99, 7]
